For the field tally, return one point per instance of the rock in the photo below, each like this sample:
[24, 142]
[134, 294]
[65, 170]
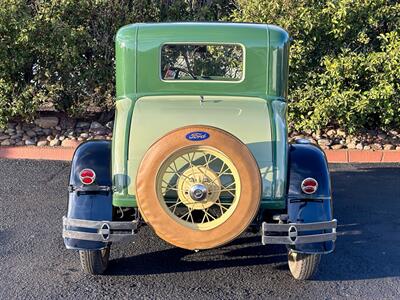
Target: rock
[297, 137]
[21, 143]
[11, 125]
[50, 138]
[55, 142]
[359, 146]
[376, 146]
[10, 131]
[61, 138]
[99, 137]
[67, 123]
[20, 131]
[337, 146]
[70, 143]
[340, 133]
[70, 132]
[331, 132]
[310, 139]
[367, 147]
[388, 147]
[16, 136]
[30, 142]
[393, 132]
[18, 127]
[57, 128]
[47, 122]
[324, 142]
[6, 143]
[30, 133]
[84, 135]
[54, 132]
[4, 137]
[41, 143]
[398, 148]
[97, 128]
[47, 131]
[350, 139]
[83, 125]
[110, 125]
[37, 129]
[382, 135]
[95, 125]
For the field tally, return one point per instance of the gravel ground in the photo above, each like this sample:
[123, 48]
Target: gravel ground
[35, 264]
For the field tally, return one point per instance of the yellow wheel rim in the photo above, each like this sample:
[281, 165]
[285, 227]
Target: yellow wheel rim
[199, 187]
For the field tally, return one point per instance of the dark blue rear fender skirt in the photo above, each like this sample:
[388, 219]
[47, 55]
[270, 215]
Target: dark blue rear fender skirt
[308, 160]
[90, 205]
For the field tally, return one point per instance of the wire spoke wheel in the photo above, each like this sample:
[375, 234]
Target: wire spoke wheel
[198, 194]
[198, 186]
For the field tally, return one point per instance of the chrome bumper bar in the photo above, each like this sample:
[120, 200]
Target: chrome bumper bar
[107, 231]
[296, 233]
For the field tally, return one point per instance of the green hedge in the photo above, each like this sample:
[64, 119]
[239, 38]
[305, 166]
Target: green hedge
[344, 68]
[62, 51]
[345, 60]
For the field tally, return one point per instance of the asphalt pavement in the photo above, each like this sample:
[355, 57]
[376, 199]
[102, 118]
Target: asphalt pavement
[35, 264]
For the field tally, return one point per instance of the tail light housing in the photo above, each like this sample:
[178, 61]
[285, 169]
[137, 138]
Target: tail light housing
[309, 185]
[87, 176]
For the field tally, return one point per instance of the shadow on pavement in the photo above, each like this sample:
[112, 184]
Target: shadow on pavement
[180, 260]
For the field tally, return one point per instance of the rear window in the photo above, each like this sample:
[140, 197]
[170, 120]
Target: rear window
[221, 62]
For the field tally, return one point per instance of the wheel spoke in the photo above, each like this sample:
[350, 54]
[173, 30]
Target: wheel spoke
[229, 191]
[206, 211]
[226, 187]
[209, 168]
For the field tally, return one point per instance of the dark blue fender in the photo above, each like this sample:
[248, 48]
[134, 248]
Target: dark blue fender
[308, 160]
[95, 204]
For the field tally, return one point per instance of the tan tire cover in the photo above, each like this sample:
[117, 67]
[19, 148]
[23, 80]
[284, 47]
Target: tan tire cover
[176, 233]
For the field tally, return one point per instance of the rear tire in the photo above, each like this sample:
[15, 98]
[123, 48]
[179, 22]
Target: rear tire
[303, 266]
[94, 261]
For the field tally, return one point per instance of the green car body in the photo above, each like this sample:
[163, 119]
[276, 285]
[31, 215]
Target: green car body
[252, 109]
[237, 94]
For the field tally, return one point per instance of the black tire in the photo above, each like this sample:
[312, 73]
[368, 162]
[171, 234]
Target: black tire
[303, 266]
[94, 262]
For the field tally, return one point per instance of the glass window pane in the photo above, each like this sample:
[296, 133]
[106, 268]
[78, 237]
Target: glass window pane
[202, 62]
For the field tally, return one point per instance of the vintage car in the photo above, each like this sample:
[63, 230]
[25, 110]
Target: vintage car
[200, 150]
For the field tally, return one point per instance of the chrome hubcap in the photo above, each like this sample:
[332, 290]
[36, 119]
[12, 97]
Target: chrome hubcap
[198, 192]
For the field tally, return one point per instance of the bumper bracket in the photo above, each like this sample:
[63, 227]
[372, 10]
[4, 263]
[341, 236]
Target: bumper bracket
[106, 231]
[296, 233]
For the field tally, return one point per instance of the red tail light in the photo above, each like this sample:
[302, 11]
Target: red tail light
[309, 186]
[87, 176]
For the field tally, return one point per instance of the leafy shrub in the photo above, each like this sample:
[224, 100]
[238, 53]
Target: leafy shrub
[62, 51]
[344, 63]
[345, 60]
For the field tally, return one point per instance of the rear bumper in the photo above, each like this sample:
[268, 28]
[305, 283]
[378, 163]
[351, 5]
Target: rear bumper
[99, 231]
[299, 233]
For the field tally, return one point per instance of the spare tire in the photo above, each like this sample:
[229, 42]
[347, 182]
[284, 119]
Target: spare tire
[198, 187]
